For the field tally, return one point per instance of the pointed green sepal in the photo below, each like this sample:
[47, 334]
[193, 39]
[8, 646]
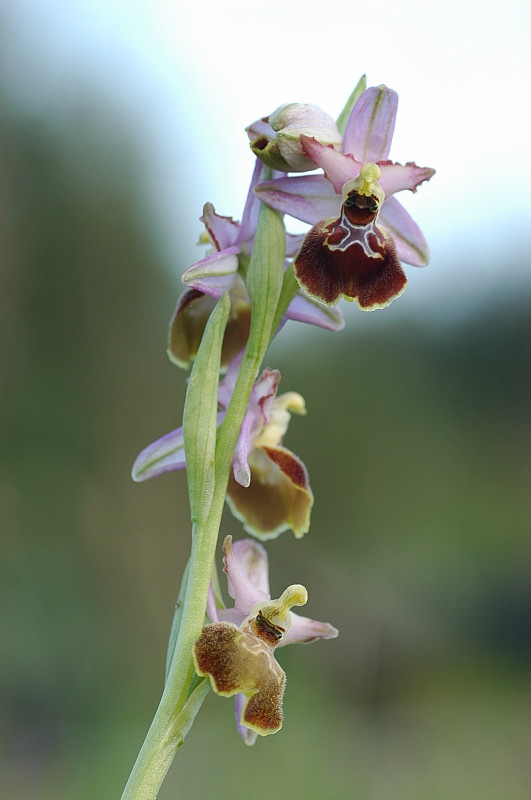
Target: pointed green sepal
[351, 102]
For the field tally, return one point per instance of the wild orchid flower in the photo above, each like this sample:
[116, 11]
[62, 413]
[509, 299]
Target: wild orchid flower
[237, 650]
[361, 231]
[218, 272]
[268, 489]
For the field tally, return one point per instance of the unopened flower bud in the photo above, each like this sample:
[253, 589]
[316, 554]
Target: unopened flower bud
[275, 140]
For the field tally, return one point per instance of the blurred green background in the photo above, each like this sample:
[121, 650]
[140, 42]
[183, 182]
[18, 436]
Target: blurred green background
[417, 444]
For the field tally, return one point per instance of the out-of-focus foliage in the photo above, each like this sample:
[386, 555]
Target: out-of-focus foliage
[84, 306]
[417, 444]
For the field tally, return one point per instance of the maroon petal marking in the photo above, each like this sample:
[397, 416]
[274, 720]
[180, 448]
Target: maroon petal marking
[290, 466]
[351, 257]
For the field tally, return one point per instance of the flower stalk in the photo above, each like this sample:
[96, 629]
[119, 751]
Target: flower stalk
[209, 459]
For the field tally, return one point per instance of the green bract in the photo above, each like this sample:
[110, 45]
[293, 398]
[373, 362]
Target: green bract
[200, 413]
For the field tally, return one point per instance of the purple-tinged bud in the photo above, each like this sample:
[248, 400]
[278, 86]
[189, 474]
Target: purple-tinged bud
[275, 140]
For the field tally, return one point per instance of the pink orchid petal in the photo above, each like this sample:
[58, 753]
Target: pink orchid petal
[214, 274]
[397, 177]
[260, 127]
[211, 605]
[293, 242]
[310, 198]
[338, 167]
[223, 231]
[251, 208]
[249, 737]
[226, 386]
[231, 615]
[246, 566]
[371, 125]
[264, 391]
[164, 455]
[304, 630]
[240, 464]
[305, 309]
[409, 240]
[262, 395]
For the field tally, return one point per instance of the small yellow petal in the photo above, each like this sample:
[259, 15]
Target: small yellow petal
[279, 416]
[370, 172]
[366, 184]
[291, 401]
[276, 613]
[294, 595]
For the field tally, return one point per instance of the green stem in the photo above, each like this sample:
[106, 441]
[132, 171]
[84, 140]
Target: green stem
[165, 734]
[174, 713]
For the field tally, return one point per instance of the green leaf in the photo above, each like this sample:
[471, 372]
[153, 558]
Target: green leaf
[200, 413]
[351, 102]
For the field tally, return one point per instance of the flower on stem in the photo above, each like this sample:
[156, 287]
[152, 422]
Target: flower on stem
[237, 650]
[218, 272]
[360, 230]
[268, 489]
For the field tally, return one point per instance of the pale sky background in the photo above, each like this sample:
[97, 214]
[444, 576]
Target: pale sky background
[190, 76]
